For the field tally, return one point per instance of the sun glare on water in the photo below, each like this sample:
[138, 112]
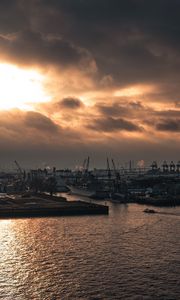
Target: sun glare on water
[20, 88]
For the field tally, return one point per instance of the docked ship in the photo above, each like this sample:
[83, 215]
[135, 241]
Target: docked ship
[80, 191]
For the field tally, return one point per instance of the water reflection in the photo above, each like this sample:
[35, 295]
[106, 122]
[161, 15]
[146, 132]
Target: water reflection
[120, 256]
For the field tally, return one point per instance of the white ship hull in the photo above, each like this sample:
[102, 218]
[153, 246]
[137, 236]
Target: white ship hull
[80, 192]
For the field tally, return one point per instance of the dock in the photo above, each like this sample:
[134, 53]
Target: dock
[42, 205]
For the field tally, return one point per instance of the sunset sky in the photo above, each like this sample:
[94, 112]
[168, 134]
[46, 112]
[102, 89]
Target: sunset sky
[91, 78]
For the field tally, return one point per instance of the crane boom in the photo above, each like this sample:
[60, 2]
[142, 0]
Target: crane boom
[84, 164]
[114, 167]
[18, 167]
[87, 164]
[108, 168]
[116, 173]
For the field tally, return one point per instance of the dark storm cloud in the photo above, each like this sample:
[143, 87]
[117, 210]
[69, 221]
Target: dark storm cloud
[126, 43]
[125, 109]
[40, 122]
[12, 18]
[33, 128]
[113, 110]
[170, 113]
[169, 125]
[32, 47]
[18, 121]
[133, 40]
[32, 138]
[112, 124]
[70, 103]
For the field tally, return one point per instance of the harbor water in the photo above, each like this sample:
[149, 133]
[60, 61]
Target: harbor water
[124, 255]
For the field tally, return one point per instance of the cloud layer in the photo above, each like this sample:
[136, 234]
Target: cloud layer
[112, 69]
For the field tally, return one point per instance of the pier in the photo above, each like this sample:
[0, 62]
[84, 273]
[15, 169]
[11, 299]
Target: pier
[42, 205]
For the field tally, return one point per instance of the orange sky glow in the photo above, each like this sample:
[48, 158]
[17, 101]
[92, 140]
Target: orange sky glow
[72, 86]
[20, 88]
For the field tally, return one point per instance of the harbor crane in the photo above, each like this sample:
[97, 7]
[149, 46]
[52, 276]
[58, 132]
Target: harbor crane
[87, 164]
[85, 167]
[84, 164]
[108, 169]
[21, 173]
[116, 173]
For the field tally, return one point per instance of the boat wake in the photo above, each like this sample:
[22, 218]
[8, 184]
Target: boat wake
[169, 214]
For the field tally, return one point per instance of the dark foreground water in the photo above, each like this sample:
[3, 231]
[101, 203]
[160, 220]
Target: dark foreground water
[126, 255]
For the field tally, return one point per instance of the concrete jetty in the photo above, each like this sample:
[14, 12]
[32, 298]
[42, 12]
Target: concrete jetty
[42, 205]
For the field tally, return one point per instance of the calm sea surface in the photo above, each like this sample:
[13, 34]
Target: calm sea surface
[126, 255]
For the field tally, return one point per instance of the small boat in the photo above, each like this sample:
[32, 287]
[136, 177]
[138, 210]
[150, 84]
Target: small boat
[149, 211]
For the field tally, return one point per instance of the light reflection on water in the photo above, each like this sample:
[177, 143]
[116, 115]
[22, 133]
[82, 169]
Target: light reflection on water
[126, 255]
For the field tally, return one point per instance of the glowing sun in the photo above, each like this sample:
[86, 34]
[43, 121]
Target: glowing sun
[20, 88]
